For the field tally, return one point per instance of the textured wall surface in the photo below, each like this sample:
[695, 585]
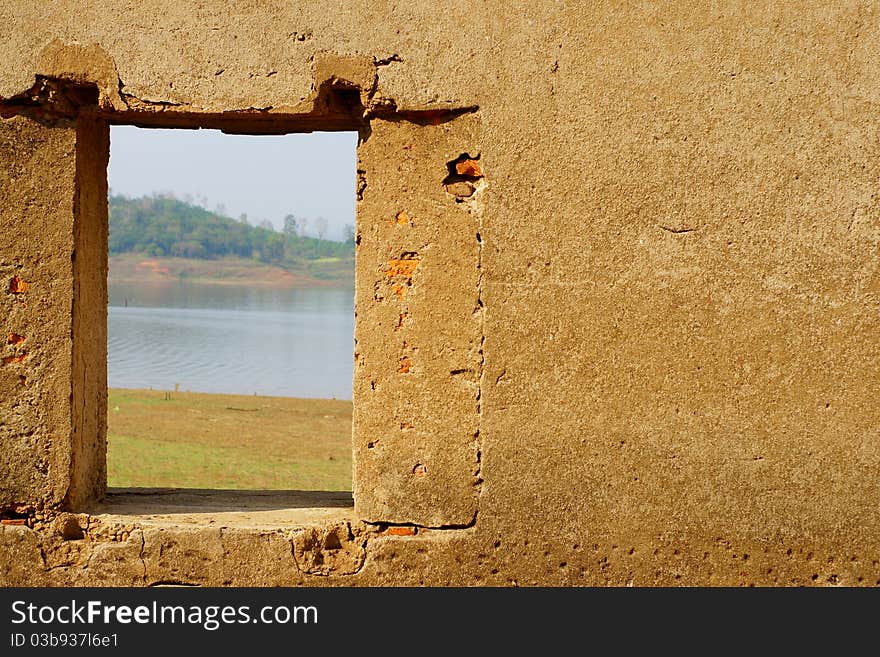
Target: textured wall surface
[52, 269]
[658, 363]
[36, 228]
[419, 327]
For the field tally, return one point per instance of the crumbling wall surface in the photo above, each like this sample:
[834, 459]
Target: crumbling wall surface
[52, 273]
[418, 342]
[36, 284]
[675, 318]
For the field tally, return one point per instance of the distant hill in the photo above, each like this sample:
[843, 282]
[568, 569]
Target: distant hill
[163, 226]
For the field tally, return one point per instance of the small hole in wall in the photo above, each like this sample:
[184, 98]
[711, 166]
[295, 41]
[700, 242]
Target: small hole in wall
[231, 310]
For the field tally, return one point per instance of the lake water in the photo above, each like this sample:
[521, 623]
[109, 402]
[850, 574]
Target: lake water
[232, 339]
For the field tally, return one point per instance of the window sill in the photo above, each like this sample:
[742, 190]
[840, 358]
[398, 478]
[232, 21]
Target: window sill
[244, 509]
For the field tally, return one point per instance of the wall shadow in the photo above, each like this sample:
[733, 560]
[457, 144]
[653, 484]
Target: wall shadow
[144, 501]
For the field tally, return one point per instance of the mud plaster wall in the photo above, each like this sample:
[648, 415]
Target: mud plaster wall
[678, 341]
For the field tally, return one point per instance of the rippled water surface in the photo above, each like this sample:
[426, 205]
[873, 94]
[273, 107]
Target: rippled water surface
[233, 339]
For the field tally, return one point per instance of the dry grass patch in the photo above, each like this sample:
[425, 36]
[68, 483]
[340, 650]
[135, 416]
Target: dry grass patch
[195, 440]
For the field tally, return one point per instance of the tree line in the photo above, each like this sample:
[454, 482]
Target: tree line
[162, 225]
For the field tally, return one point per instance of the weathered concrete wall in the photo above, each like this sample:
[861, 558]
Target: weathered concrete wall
[666, 335]
[419, 327]
[52, 272]
[38, 188]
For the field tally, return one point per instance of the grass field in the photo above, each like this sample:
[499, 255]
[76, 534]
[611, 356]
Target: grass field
[193, 440]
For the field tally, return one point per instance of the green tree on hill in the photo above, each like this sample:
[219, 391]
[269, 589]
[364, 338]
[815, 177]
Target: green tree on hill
[161, 225]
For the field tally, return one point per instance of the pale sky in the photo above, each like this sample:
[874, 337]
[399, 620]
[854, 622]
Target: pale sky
[266, 177]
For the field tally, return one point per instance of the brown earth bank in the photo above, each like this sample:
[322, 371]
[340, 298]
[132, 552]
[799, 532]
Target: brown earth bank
[140, 268]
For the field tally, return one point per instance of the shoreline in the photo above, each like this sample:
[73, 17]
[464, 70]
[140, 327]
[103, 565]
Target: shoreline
[134, 269]
[305, 285]
[231, 395]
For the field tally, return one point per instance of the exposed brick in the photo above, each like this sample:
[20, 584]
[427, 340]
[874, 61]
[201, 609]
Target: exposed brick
[402, 267]
[15, 338]
[401, 531]
[15, 359]
[18, 286]
[469, 168]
